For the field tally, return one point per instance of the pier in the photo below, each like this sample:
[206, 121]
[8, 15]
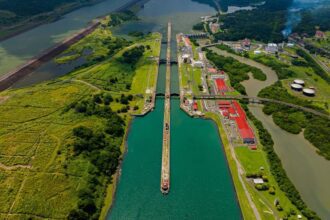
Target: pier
[165, 170]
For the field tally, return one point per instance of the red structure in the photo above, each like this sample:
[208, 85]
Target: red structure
[221, 85]
[243, 126]
[195, 106]
[233, 111]
[224, 104]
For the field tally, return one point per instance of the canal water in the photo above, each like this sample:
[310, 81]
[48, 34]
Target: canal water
[201, 185]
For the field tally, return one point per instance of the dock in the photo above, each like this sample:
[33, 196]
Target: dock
[165, 169]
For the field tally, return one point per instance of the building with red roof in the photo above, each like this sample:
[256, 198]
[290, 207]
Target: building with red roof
[212, 70]
[221, 85]
[320, 34]
[187, 41]
[244, 129]
[195, 106]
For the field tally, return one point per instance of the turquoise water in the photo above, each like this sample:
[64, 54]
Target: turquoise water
[201, 186]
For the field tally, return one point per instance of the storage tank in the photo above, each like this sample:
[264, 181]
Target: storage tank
[296, 87]
[309, 92]
[299, 82]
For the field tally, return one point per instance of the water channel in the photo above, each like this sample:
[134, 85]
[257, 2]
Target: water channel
[201, 185]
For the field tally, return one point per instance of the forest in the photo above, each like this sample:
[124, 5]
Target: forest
[264, 23]
[310, 19]
[100, 146]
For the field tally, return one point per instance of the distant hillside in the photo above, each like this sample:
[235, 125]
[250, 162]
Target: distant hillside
[19, 15]
[223, 4]
[314, 18]
[264, 23]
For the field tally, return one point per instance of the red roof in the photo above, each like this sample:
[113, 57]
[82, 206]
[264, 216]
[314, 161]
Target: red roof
[187, 41]
[241, 121]
[221, 85]
[212, 70]
[224, 102]
[253, 147]
[195, 106]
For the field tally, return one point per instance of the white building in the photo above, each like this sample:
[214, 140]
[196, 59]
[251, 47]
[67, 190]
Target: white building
[257, 52]
[198, 64]
[271, 48]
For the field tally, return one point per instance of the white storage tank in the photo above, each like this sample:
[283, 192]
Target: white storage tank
[299, 82]
[296, 87]
[309, 92]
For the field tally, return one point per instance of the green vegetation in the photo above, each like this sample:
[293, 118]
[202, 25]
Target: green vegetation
[264, 23]
[121, 17]
[61, 141]
[132, 56]
[237, 71]
[277, 170]
[316, 128]
[269, 191]
[316, 67]
[199, 27]
[95, 48]
[310, 19]
[101, 147]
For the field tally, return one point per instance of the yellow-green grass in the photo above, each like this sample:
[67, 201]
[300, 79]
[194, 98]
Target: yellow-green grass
[252, 161]
[36, 176]
[33, 150]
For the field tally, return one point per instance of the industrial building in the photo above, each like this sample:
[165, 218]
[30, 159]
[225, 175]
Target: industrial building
[233, 111]
[221, 85]
[271, 48]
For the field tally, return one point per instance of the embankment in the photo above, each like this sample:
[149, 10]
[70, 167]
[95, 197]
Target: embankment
[10, 78]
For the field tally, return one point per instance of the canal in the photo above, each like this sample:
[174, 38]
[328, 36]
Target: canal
[201, 185]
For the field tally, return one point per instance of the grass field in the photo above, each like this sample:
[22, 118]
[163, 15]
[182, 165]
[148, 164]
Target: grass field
[39, 177]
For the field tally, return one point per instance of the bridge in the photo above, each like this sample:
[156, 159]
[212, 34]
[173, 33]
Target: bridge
[259, 100]
[159, 94]
[164, 61]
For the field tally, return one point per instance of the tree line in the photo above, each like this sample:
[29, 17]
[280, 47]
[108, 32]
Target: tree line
[101, 146]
